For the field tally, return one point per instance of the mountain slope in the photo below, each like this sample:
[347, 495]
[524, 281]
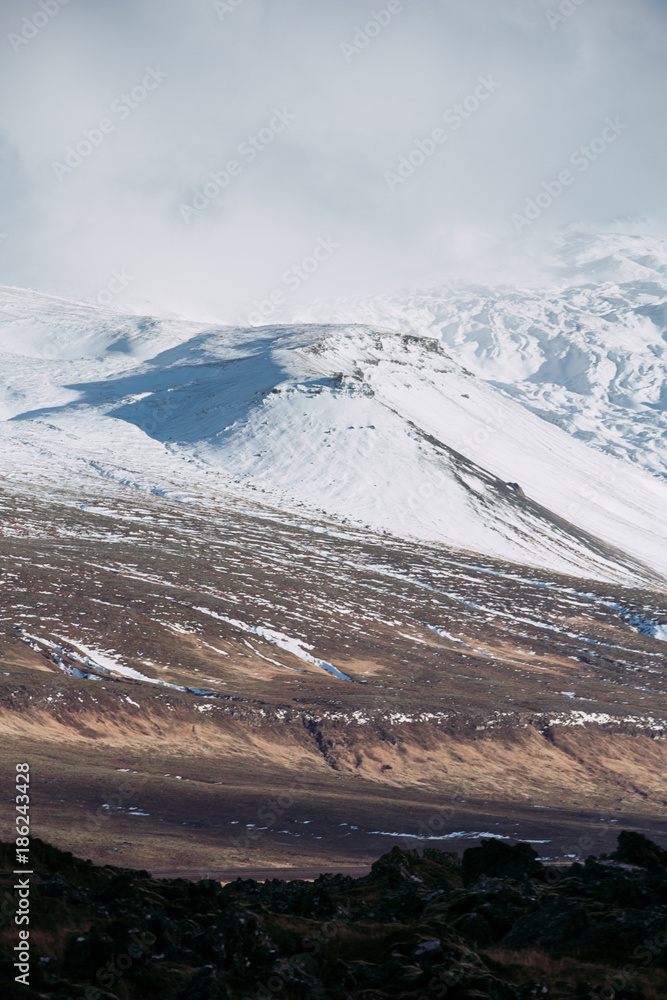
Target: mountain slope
[196, 622]
[385, 429]
[586, 350]
[222, 685]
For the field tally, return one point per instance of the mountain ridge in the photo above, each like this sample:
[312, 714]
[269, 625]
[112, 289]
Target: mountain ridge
[385, 429]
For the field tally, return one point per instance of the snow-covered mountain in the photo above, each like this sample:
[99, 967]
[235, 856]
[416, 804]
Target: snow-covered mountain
[425, 421]
[232, 562]
[587, 350]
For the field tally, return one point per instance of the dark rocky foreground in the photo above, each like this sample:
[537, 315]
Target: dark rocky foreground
[497, 924]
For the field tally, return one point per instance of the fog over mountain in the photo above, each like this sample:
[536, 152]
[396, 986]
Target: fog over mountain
[318, 121]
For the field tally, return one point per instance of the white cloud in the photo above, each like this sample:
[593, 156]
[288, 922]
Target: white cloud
[325, 174]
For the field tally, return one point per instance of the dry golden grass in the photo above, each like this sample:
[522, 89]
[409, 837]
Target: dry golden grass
[175, 595]
[562, 974]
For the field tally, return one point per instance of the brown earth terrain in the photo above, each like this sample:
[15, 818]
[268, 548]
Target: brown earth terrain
[213, 688]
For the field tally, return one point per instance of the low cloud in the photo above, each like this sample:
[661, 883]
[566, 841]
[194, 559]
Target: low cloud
[366, 88]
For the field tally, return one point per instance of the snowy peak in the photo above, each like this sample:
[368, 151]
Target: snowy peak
[385, 428]
[587, 352]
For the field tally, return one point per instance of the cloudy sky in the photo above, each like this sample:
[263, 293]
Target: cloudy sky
[202, 150]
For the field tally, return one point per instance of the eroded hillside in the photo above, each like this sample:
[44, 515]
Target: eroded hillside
[219, 685]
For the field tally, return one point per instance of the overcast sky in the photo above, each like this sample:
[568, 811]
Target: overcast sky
[316, 104]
